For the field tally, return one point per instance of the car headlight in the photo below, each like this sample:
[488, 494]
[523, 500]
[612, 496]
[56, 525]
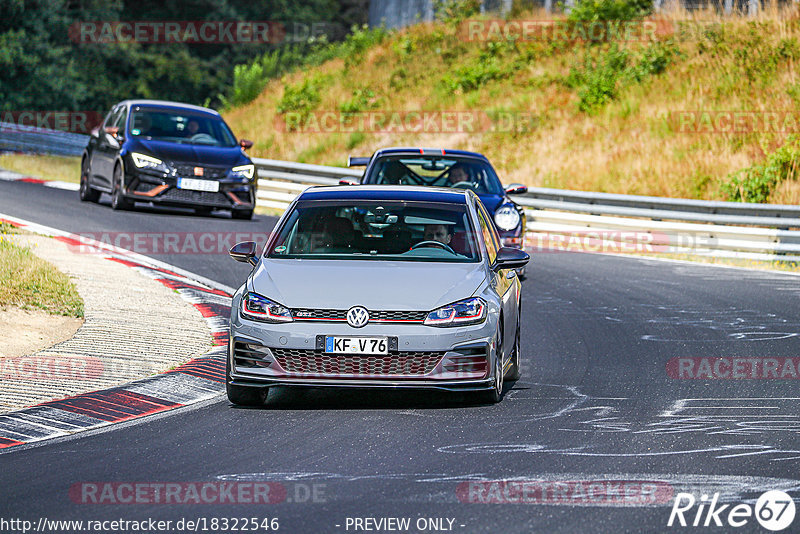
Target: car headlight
[244, 171]
[258, 308]
[507, 217]
[143, 161]
[463, 312]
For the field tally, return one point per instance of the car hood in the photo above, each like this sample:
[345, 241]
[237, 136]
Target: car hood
[376, 285]
[200, 154]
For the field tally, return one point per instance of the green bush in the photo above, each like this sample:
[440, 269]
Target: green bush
[604, 72]
[251, 78]
[473, 75]
[363, 99]
[454, 11]
[756, 183]
[301, 98]
[607, 10]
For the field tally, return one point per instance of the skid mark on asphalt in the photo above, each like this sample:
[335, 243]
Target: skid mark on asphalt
[733, 420]
[566, 489]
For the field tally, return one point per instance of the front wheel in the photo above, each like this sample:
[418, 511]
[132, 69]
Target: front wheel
[118, 200]
[86, 193]
[494, 395]
[514, 371]
[243, 395]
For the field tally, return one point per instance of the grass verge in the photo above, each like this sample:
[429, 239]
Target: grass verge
[29, 282]
[65, 169]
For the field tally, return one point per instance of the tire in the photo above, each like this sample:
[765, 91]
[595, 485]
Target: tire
[514, 370]
[86, 193]
[242, 214]
[118, 201]
[494, 395]
[243, 395]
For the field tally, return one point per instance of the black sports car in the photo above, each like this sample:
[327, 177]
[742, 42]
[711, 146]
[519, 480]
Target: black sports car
[171, 154]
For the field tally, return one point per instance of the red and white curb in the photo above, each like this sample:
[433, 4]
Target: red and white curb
[10, 176]
[195, 381]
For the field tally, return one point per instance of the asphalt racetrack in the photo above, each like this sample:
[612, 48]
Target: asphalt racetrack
[605, 427]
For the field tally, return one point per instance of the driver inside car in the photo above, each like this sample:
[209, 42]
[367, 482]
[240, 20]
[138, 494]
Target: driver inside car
[438, 232]
[459, 173]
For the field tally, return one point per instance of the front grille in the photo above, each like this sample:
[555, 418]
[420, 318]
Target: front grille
[196, 197]
[301, 361]
[311, 314]
[209, 173]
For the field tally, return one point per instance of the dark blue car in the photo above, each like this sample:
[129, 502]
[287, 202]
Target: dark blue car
[457, 169]
[170, 154]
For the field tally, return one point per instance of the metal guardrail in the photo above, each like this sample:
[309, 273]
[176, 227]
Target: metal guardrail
[559, 219]
[16, 138]
[682, 205]
[556, 217]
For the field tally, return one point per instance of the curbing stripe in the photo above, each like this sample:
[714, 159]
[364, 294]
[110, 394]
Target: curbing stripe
[9, 443]
[195, 381]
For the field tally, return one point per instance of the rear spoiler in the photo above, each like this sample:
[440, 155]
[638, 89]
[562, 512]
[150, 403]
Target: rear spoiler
[357, 162]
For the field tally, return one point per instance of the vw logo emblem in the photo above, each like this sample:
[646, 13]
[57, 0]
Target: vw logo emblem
[357, 316]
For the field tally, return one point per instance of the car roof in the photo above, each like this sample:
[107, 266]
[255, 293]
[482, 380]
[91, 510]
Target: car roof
[168, 104]
[428, 152]
[385, 192]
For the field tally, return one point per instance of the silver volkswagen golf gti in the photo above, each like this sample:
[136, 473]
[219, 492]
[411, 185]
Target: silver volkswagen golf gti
[377, 286]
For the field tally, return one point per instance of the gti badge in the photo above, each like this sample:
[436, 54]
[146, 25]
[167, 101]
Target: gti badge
[357, 316]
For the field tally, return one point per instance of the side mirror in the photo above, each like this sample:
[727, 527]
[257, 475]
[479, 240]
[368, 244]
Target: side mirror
[516, 189]
[347, 181]
[245, 144]
[244, 252]
[510, 258]
[95, 133]
[357, 162]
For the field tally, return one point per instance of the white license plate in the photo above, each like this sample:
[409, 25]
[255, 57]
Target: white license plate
[356, 345]
[198, 185]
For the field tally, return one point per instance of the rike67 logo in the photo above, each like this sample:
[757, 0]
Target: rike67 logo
[774, 510]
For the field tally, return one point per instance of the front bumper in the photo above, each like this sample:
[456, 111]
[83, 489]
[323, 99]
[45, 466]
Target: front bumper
[292, 354]
[163, 189]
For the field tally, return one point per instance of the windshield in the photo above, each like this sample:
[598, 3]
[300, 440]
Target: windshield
[393, 230]
[177, 126]
[440, 171]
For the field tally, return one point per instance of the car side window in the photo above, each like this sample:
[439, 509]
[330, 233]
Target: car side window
[119, 122]
[110, 118]
[486, 230]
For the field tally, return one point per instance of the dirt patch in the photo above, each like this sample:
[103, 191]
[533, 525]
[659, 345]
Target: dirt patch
[24, 332]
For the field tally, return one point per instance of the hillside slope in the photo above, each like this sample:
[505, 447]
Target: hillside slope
[620, 116]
